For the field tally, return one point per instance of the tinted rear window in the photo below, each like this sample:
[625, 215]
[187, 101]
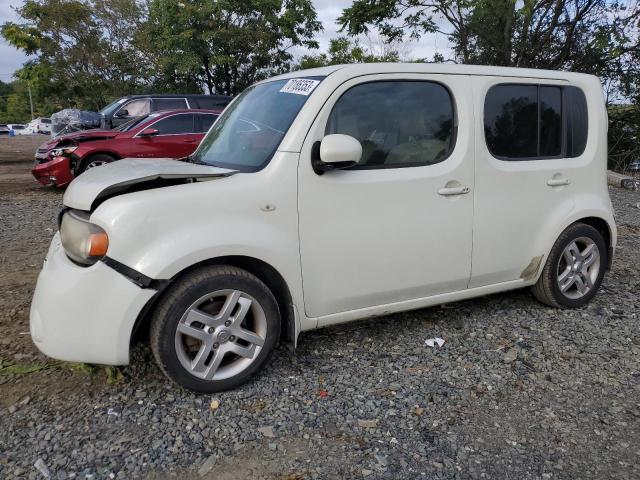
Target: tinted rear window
[530, 122]
[511, 121]
[169, 103]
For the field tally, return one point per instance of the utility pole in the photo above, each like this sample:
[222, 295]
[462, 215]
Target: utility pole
[30, 100]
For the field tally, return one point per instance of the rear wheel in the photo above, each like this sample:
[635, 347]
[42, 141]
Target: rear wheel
[214, 329]
[95, 161]
[575, 268]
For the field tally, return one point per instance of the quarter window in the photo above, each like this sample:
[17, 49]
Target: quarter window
[169, 103]
[175, 125]
[529, 122]
[398, 123]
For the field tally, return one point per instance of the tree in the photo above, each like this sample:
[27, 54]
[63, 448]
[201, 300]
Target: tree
[86, 51]
[345, 50]
[557, 34]
[229, 44]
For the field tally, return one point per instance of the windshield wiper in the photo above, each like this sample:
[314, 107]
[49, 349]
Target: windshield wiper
[191, 159]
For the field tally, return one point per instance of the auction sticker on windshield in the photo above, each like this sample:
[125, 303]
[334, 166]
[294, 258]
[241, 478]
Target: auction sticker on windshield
[300, 86]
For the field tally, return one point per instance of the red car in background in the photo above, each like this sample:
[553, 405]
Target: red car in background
[168, 134]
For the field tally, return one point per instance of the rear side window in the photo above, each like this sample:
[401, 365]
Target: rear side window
[204, 122]
[398, 123]
[530, 122]
[169, 104]
[175, 124]
[210, 102]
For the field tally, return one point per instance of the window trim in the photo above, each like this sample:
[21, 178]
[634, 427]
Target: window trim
[564, 121]
[137, 135]
[454, 127]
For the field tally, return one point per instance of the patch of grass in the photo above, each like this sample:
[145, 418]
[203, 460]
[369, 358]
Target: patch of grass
[7, 368]
[114, 375]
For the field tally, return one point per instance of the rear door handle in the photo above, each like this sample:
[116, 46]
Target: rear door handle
[558, 182]
[447, 191]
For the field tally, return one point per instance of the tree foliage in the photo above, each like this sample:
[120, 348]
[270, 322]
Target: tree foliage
[347, 50]
[229, 44]
[88, 52]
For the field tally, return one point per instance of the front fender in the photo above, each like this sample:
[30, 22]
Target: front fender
[162, 231]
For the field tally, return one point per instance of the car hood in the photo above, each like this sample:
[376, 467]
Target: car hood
[81, 136]
[127, 175]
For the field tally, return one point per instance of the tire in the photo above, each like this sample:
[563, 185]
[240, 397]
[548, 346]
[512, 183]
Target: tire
[214, 329]
[94, 161]
[571, 277]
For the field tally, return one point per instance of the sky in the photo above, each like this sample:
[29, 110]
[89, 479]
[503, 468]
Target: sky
[12, 59]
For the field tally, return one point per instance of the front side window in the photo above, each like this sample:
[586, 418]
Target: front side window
[136, 108]
[529, 122]
[398, 123]
[175, 124]
[247, 134]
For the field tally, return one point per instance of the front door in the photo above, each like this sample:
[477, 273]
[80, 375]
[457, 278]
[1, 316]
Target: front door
[398, 226]
[176, 138]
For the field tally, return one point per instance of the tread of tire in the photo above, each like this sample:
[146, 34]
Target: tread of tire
[189, 280]
[542, 289]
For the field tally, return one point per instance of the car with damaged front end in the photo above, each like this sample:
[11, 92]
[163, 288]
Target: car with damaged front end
[166, 134]
[326, 196]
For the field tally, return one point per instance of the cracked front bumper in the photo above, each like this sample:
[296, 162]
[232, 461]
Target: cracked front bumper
[84, 314]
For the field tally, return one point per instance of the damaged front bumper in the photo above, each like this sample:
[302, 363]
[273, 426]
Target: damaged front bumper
[56, 172]
[84, 314]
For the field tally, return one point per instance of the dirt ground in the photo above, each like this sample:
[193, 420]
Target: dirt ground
[349, 403]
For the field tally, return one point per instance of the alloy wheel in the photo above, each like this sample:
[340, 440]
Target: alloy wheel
[220, 334]
[95, 163]
[578, 268]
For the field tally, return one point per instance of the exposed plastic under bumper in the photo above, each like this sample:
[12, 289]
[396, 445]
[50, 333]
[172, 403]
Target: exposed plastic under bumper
[83, 314]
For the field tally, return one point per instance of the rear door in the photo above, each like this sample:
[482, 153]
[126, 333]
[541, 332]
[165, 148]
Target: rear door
[526, 161]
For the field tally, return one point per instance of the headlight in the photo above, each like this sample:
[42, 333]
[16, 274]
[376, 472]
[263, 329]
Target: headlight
[83, 242]
[59, 152]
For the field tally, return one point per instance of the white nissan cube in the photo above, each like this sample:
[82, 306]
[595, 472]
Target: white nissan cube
[326, 196]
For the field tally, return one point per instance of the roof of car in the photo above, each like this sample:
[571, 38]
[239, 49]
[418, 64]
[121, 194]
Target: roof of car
[178, 95]
[356, 69]
[187, 110]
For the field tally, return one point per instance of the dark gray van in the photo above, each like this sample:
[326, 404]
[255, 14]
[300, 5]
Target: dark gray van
[131, 106]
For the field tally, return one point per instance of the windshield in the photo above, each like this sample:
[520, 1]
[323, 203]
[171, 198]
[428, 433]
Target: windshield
[109, 109]
[247, 134]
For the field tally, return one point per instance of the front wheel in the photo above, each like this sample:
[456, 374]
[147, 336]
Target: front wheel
[575, 268]
[94, 161]
[214, 329]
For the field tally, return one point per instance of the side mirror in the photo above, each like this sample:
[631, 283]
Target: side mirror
[335, 152]
[149, 132]
[122, 113]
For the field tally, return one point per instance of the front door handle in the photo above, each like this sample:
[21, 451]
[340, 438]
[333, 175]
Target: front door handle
[558, 182]
[447, 191]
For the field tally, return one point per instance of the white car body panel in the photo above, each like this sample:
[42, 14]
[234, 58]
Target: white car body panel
[81, 195]
[348, 244]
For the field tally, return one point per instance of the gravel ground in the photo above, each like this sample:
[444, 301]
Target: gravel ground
[517, 390]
